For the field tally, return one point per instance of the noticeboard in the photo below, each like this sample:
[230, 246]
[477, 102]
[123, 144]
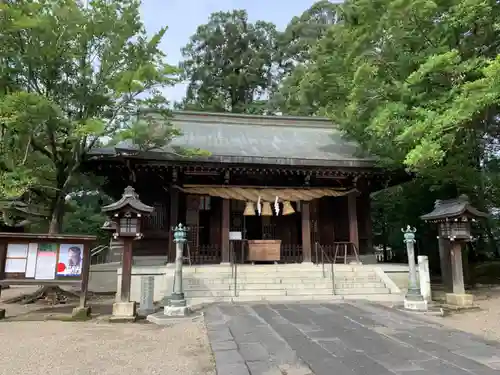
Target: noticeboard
[29, 258]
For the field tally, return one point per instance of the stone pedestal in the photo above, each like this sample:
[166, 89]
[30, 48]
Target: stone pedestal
[124, 312]
[176, 311]
[81, 313]
[460, 299]
[415, 305]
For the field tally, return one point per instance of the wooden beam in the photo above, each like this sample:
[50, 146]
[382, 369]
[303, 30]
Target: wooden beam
[306, 232]
[225, 230]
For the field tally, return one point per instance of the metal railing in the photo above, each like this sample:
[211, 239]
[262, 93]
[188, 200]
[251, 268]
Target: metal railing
[324, 256]
[97, 256]
[234, 267]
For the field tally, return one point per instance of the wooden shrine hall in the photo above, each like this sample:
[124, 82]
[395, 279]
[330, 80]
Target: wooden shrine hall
[272, 188]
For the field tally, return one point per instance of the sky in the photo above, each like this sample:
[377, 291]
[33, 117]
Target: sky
[183, 17]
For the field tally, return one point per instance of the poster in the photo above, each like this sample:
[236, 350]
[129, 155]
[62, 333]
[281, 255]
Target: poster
[31, 263]
[70, 260]
[16, 250]
[46, 261]
[15, 265]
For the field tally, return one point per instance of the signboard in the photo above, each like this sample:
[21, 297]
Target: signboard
[235, 236]
[46, 259]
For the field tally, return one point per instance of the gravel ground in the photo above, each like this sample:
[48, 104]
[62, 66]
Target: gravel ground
[484, 322]
[60, 348]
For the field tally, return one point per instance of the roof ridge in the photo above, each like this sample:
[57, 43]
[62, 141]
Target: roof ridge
[243, 119]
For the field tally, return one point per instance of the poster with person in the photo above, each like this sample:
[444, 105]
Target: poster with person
[70, 260]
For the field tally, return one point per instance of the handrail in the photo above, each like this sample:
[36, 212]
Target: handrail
[234, 268]
[95, 254]
[323, 256]
[98, 249]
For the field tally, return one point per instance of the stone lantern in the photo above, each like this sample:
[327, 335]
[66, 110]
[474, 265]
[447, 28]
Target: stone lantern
[454, 218]
[125, 218]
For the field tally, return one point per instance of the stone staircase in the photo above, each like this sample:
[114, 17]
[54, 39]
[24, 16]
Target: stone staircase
[292, 282]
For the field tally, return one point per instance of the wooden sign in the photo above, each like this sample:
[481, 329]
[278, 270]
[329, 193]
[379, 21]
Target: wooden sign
[43, 259]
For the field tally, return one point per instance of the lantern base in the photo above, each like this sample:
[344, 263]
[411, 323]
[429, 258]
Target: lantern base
[176, 311]
[460, 300]
[415, 305]
[177, 300]
[124, 312]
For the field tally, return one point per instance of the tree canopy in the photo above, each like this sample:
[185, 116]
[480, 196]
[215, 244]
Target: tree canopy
[71, 76]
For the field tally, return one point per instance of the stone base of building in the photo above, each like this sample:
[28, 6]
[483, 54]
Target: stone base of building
[124, 312]
[415, 305]
[460, 300]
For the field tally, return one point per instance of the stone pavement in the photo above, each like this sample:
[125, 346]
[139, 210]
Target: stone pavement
[360, 338]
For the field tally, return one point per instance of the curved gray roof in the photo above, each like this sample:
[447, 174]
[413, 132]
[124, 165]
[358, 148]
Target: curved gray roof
[235, 138]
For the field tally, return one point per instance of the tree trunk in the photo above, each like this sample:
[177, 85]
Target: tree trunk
[55, 226]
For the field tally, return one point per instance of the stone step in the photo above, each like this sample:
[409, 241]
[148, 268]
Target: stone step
[276, 269]
[297, 298]
[285, 292]
[282, 275]
[353, 291]
[189, 282]
[356, 285]
[267, 286]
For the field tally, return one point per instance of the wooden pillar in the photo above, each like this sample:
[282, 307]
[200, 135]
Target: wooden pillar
[306, 232]
[126, 270]
[457, 268]
[369, 225]
[353, 219]
[84, 286]
[174, 217]
[3, 260]
[226, 207]
[445, 263]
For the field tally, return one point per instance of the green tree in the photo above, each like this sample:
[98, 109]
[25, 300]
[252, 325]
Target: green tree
[73, 74]
[296, 45]
[419, 91]
[230, 64]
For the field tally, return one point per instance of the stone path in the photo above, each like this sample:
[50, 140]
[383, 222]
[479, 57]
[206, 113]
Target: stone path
[341, 339]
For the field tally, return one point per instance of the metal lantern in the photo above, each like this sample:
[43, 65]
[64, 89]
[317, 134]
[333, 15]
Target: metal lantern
[454, 218]
[180, 233]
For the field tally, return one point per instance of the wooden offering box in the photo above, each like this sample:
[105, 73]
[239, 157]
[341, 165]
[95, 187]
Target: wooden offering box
[264, 250]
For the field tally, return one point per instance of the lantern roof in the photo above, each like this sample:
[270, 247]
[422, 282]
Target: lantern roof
[453, 208]
[129, 199]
